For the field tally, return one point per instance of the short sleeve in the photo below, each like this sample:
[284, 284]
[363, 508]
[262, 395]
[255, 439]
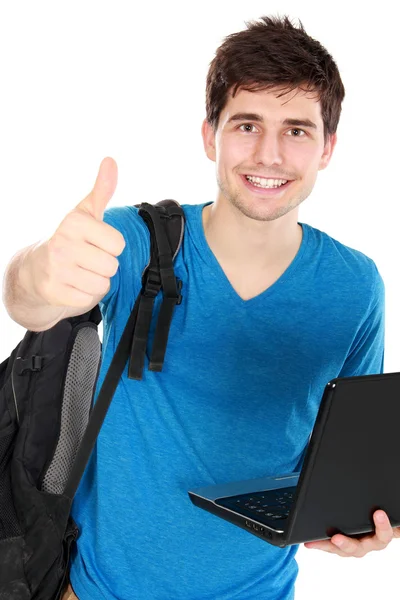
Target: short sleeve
[366, 356]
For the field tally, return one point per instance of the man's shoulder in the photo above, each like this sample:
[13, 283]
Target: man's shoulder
[347, 264]
[348, 255]
[127, 220]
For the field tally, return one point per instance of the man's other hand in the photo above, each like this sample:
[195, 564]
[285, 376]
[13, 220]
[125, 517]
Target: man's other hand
[357, 548]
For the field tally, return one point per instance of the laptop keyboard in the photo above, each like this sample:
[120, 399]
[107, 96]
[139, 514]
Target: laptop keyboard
[271, 504]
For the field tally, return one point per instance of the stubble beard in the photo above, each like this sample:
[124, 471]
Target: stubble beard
[235, 198]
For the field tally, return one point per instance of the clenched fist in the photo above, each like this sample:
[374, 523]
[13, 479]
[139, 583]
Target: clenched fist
[74, 266]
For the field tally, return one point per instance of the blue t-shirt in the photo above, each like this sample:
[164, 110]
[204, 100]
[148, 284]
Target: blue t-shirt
[237, 399]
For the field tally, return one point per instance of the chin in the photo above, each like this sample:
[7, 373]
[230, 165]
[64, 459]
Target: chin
[260, 210]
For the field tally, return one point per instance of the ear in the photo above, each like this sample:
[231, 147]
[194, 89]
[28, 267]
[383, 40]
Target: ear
[208, 140]
[328, 151]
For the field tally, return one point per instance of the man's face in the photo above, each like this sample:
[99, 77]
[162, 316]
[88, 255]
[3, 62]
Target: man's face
[262, 145]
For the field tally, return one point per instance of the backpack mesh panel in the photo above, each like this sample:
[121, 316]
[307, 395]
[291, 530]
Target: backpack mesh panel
[78, 394]
[9, 526]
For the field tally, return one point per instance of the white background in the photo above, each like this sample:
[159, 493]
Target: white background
[84, 80]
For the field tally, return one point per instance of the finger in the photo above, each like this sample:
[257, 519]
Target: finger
[383, 528]
[345, 546]
[348, 546]
[82, 227]
[96, 201]
[325, 546]
[94, 259]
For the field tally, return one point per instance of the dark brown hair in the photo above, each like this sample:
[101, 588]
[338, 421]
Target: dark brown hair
[272, 53]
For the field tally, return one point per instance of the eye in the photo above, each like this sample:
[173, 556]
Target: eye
[296, 129]
[246, 125]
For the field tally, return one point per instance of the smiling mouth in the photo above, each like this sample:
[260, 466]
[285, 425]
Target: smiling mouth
[280, 183]
[259, 188]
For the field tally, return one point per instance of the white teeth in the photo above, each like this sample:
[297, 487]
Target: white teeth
[267, 183]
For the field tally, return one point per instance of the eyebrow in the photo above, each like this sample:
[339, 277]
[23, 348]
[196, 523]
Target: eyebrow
[256, 117]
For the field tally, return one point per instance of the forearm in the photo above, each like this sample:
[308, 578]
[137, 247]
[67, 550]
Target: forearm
[19, 297]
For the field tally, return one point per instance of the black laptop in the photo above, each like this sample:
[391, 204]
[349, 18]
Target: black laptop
[351, 468]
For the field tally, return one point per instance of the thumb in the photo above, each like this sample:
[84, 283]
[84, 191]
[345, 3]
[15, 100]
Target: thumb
[96, 201]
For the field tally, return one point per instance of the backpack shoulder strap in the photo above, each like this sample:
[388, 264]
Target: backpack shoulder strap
[166, 224]
[165, 221]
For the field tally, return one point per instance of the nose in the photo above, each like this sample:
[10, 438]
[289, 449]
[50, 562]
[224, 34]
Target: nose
[268, 150]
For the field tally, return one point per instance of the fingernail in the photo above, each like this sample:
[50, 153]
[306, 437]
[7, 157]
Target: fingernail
[380, 517]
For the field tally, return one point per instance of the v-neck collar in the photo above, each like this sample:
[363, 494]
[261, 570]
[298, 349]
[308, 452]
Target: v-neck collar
[211, 261]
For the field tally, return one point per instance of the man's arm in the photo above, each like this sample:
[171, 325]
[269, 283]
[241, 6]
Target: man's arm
[365, 357]
[23, 305]
[367, 353]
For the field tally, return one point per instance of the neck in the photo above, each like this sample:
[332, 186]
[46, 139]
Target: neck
[246, 243]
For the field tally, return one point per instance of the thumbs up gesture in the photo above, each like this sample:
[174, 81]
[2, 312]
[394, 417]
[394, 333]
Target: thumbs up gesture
[74, 266]
[96, 201]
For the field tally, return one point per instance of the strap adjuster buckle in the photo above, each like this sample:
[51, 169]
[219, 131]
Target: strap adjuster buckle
[37, 363]
[32, 363]
[153, 283]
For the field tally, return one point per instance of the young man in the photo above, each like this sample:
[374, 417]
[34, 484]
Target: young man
[268, 316]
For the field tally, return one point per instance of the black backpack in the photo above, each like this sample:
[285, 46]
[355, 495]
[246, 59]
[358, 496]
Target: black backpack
[47, 388]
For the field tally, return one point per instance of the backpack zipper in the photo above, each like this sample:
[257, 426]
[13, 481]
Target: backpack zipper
[15, 397]
[34, 363]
